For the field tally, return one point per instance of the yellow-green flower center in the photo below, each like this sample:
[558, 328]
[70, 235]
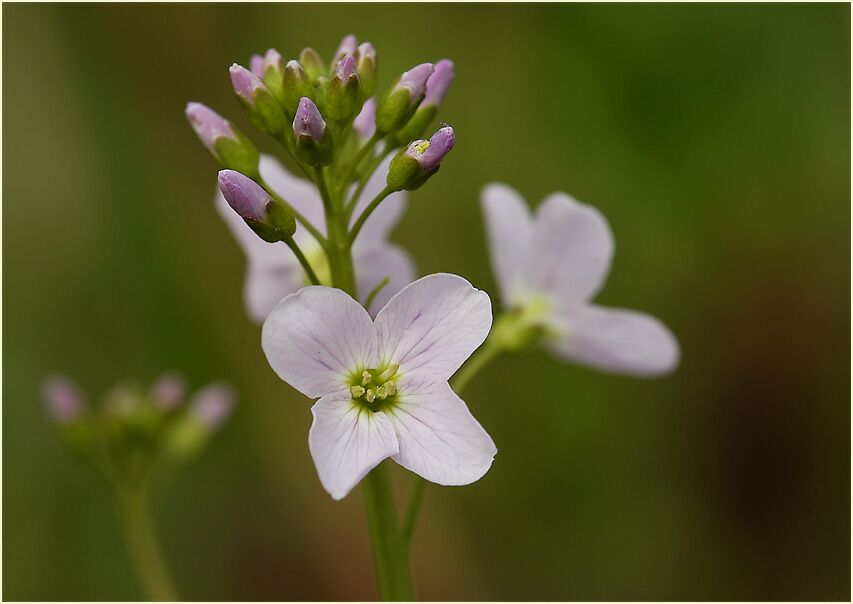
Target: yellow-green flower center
[375, 388]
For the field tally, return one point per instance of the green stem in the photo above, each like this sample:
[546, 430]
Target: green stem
[302, 220]
[144, 547]
[368, 146]
[413, 508]
[484, 355]
[390, 554]
[338, 250]
[371, 168]
[367, 212]
[375, 291]
[481, 357]
[312, 276]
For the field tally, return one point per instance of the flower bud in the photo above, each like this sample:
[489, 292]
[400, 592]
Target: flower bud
[64, 400]
[436, 89]
[270, 220]
[313, 139]
[346, 47]
[343, 97]
[168, 390]
[256, 65]
[297, 84]
[412, 166]
[365, 59]
[264, 111]
[365, 122]
[312, 62]
[399, 103]
[212, 405]
[273, 74]
[228, 145]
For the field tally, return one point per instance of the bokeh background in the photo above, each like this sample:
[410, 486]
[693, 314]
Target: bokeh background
[715, 138]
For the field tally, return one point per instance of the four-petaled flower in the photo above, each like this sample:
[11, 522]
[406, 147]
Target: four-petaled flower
[549, 266]
[383, 384]
[273, 271]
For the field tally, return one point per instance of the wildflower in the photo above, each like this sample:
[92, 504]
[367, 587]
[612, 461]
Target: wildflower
[436, 89]
[398, 104]
[382, 385]
[64, 399]
[262, 108]
[228, 146]
[264, 215]
[273, 272]
[549, 266]
[313, 139]
[212, 404]
[168, 390]
[412, 166]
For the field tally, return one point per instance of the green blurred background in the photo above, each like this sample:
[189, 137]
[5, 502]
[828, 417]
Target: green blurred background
[715, 138]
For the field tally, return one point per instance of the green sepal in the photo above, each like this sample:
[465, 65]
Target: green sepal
[512, 332]
[315, 154]
[366, 68]
[237, 154]
[343, 99]
[295, 84]
[402, 171]
[312, 63]
[278, 224]
[274, 79]
[417, 125]
[266, 113]
[393, 110]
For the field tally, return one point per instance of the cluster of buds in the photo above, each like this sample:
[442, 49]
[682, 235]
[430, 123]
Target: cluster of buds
[132, 430]
[323, 114]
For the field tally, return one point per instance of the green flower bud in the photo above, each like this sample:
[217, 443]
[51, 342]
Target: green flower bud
[399, 103]
[273, 70]
[412, 166]
[365, 60]
[312, 62]
[226, 144]
[263, 109]
[297, 84]
[313, 139]
[343, 97]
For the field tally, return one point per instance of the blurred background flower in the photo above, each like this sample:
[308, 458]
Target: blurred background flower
[714, 138]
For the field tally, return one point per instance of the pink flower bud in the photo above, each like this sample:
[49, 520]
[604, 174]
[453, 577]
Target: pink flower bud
[212, 405]
[64, 400]
[256, 65]
[208, 125]
[244, 195]
[245, 83]
[439, 82]
[308, 123]
[439, 145]
[169, 390]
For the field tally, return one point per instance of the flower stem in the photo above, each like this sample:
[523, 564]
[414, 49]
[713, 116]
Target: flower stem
[312, 276]
[367, 212]
[390, 554]
[144, 547]
[482, 357]
[413, 508]
[302, 220]
[338, 249]
[368, 146]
